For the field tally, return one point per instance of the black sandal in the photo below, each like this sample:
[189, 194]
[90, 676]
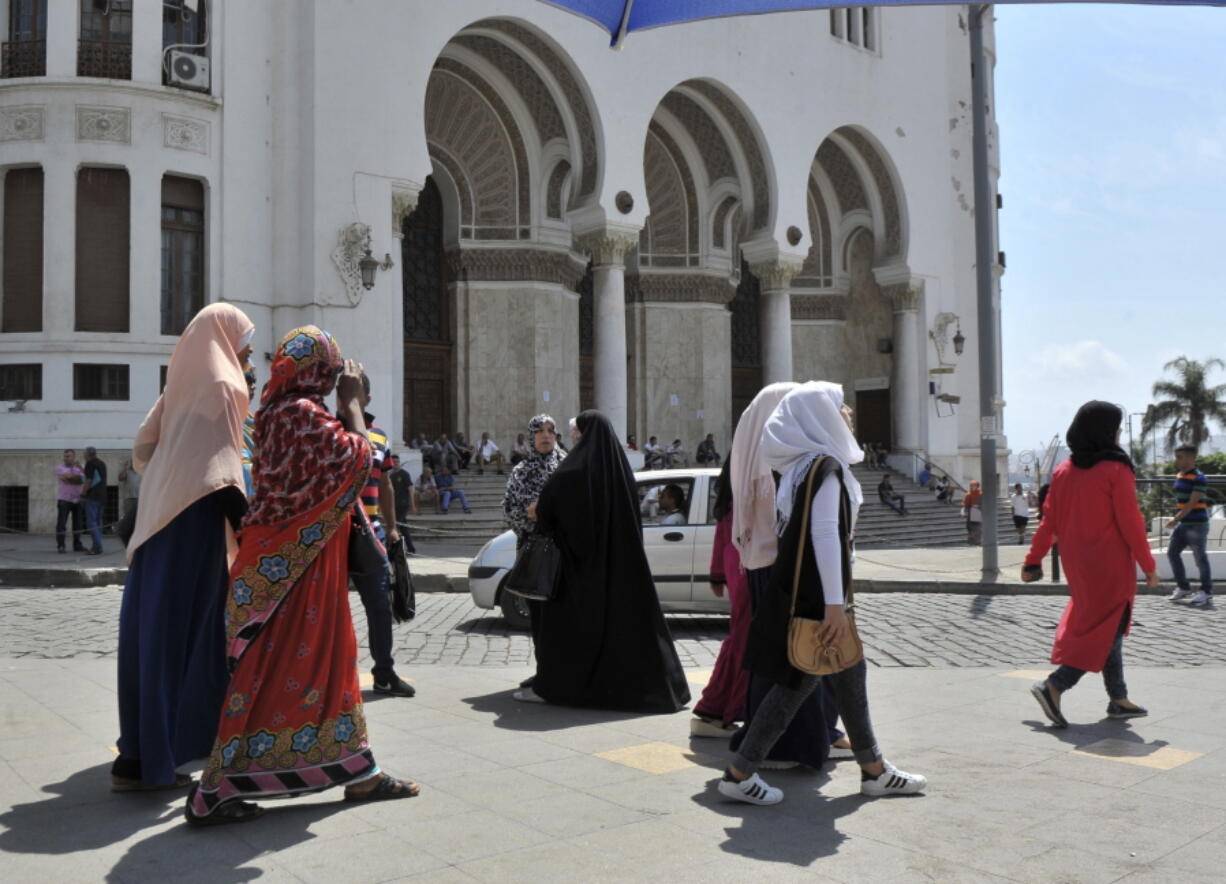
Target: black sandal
[230, 812]
[387, 789]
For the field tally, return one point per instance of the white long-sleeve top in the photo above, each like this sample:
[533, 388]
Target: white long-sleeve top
[824, 534]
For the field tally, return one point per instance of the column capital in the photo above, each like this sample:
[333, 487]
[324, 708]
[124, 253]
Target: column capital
[608, 246]
[905, 296]
[404, 201]
[775, 275]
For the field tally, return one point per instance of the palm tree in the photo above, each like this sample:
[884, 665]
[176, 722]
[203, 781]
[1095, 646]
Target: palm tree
[1188, 403]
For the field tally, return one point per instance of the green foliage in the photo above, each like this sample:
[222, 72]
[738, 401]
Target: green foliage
[1209, 464]
[1188, 403]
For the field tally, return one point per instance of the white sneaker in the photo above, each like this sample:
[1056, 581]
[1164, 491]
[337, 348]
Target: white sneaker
[1202, 599]
[752, 790]
[1180, 594]
[706, 727]
[893, 781]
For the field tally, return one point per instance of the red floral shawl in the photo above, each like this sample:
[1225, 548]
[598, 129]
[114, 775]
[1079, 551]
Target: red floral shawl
[306, 478]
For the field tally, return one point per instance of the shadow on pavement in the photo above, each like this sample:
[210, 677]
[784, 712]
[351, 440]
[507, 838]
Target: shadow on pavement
[511, 714]
[83, 814]
[221, 852]
[1084, 736]
[797, 832]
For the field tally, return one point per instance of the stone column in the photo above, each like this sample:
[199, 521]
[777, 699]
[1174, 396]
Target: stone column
[908, 378]
[607, 250]
[404, 201]
[63, 30]
[776, 320]
[147, 43]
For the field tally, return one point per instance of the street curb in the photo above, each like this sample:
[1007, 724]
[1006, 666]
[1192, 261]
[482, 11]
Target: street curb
[79, 578]
[82, 578]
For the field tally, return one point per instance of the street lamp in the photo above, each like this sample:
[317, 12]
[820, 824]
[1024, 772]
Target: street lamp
[959, 341]
[367, 265]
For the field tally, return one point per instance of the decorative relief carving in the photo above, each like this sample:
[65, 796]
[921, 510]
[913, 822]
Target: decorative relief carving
[679, 287]
[532, 90]
[775, 275]
[22, 123]
[904, 297]
[467, 118]
[110, 124]
[706, 135]
[749, 144]
[515, 265]
[351, 244]
[184, 133]
[818, 263]
[885, 188]
[404, 201]
[819, 307]
[607, 247]
[575, 98]
[843, 176]
[672, 199]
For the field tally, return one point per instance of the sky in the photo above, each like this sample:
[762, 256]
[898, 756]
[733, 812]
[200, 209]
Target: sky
[1113, 171]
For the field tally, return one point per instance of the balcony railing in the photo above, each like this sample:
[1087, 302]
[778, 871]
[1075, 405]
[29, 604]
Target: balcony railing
[24, 58]
[96, 58]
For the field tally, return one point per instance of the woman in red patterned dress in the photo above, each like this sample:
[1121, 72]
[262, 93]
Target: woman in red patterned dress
[292, 720]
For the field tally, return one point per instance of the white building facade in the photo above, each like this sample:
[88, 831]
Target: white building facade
[655, 231]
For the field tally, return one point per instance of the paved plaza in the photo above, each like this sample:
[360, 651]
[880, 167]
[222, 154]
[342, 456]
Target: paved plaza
[516, 792]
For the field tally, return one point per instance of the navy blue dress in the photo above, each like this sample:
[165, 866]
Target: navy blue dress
[172, 651]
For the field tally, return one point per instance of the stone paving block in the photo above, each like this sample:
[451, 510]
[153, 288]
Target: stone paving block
[518, 751]
[458, 839]
[550, 862]
[584, 772]
[373, 856]
[568, 814]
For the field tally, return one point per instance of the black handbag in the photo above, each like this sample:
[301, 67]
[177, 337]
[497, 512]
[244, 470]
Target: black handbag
[535, 572]
[404, 594]
[365, 556]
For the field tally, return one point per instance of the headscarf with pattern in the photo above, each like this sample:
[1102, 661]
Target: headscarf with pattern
[529, 476]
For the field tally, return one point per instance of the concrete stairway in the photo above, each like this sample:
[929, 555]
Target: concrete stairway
[458, 532]
[927, 523]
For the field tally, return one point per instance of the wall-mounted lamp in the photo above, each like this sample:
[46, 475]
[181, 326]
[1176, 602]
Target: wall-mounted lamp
[959, 341]
[367, 265]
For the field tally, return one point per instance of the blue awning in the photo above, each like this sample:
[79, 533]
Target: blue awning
[620, 17]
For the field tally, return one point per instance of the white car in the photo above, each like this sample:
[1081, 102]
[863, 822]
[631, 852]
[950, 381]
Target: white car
[679, 554]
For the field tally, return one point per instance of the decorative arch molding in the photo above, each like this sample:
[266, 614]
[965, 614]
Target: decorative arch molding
[670, 236]
[472, 132]
[886, 186]
[570, 94]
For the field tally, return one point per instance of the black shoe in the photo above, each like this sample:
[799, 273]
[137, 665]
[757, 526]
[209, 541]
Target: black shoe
[397, 687]
[59, 549]
[527, 682]
[1050, 708]
[1114, 710]
[79, 549]
[94, 552]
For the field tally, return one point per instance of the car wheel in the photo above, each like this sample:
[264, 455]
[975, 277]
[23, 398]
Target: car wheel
[515, 610]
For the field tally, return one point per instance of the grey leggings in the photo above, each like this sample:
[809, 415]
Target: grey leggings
[781, 704]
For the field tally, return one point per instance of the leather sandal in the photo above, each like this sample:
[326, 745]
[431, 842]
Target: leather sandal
[230, 812]
[387, 789]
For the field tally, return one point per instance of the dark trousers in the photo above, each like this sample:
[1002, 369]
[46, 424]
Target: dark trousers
[1066, 677]
[63, 509]
[1196, 536]
[376, 593]
[850, 689]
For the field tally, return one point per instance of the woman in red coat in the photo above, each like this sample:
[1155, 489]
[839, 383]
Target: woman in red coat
[1091, 511]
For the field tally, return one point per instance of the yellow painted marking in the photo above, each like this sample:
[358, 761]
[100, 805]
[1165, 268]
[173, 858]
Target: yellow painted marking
[699, 676]
[1141, 754]
[655, 758]
[1028, 674]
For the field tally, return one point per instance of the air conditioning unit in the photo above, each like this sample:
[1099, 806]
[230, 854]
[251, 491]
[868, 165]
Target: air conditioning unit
[189, 71]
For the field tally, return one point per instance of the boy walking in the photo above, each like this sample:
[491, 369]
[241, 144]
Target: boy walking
[1190, 528]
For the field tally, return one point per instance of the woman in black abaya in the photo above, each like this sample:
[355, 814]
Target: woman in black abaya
[603, 641]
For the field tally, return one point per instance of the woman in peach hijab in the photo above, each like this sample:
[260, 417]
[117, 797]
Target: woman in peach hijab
[172, 664]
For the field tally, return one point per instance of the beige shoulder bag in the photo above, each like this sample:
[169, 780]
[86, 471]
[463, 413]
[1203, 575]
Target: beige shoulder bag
[806, 650]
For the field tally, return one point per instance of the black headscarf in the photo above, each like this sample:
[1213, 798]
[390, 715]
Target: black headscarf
[1091, 435]
[603, 641]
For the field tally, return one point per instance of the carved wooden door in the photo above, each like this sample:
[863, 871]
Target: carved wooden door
[873, 422]
[746, 343]
[428, 353]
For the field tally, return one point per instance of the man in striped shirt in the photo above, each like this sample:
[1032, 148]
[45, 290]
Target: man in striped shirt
[1190, 528]
[378, 498]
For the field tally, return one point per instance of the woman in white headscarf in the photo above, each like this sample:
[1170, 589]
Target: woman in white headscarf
[810, 430]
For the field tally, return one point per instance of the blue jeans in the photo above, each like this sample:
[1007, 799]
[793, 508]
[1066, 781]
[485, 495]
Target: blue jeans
[458, 493]
[1066, 677]
[63, 510]
[1194, 535]
[93, 522]
[375, 591]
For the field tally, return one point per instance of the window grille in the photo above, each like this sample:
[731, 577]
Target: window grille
[15, 508]
[25, 53]
[105, 46]
[21, 382]
[105, 382]
[23, 251]
[856, 26]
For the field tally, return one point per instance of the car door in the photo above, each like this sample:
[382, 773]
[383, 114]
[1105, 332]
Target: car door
[669, 548]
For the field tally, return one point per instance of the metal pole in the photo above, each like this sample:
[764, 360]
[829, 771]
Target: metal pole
[985, 262]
